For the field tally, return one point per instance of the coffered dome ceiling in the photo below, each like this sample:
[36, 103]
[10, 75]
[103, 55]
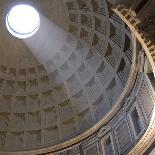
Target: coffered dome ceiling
[63, 80]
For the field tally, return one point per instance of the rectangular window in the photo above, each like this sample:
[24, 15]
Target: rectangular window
[109, 150]
[136, 121]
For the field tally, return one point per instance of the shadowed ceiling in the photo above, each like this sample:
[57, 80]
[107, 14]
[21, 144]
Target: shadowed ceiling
[67, 90]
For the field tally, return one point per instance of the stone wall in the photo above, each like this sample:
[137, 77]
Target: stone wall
[121, 129]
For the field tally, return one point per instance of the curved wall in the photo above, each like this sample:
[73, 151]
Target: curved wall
[124, 130]
[50, 103]
[121, 130]
[94, 70]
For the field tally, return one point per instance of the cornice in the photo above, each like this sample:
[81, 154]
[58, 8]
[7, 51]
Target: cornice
[149, 136]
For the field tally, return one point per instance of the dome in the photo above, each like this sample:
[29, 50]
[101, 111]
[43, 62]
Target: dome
[65, 79]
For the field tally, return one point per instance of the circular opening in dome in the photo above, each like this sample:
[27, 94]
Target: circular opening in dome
[22, 21]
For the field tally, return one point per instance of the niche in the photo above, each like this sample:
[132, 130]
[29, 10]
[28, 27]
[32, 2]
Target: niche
[137, 124]
[84, 34]
[19, 104]
[100, 25]
[34, 119]
[80, 101]
[127, 42]
[4, 120]
[112, 30]
[101, 107]
[32, 70]
[111, 91]
[22, 72]
[18, 120]
[108, 146]
[1, 83]
[44, 80]
[5, 102]
[86, 20]
[65, 108]
[70, 5]
[33, 101]
[73, 17]
[17, 138]
[3, 69]
[10, 84]
[51, 134]
[95, 40]
[41, 69]
[2, 139]
[98, 7]
[69, 128]
[84, 119]
[73, 29]
[21, 85]
[12, 72]
[121, 73]
[34, 137]
[83, 5]
[33, 83]
[109, 55]
[50, 116]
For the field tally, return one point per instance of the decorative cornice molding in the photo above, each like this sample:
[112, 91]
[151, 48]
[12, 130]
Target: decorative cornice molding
[132, 22]
[147, 139]
[149, 136]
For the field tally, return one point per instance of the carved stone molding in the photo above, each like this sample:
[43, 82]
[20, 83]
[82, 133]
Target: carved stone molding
[149, 47]
[147, 27]
[132, 23]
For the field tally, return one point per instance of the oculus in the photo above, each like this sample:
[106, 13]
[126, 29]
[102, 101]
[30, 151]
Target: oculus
[22, 21]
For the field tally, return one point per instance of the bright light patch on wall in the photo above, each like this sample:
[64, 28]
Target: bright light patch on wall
[22, 21]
